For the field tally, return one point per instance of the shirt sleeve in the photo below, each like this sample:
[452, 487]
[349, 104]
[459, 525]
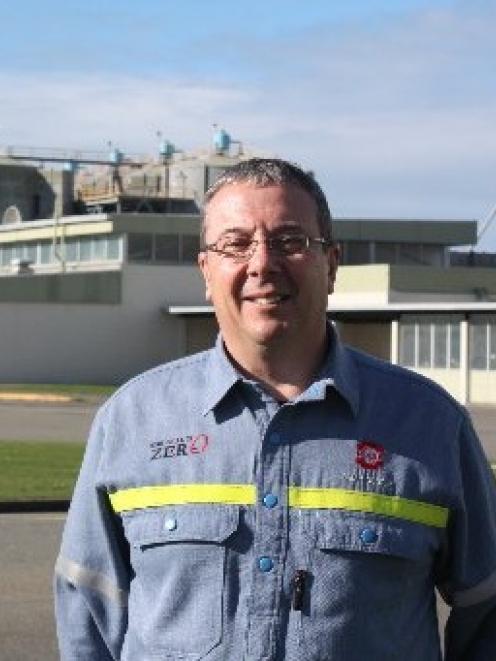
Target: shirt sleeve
[92, 571]
[469, 584]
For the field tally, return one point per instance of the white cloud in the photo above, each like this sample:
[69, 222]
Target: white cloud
[396, 119]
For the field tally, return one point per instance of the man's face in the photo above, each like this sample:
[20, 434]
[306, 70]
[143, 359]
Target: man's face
[269, 297]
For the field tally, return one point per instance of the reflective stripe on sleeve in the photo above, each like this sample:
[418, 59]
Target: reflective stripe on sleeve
[81, 576]
[373, 503]
[182, 494]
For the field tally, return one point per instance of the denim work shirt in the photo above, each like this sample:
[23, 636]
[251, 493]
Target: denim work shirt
[211, 522]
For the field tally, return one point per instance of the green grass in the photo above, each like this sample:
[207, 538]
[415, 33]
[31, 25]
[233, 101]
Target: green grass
[57, 388]
[38, 470]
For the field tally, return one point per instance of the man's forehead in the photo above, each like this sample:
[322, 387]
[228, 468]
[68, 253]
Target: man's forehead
[242, 200]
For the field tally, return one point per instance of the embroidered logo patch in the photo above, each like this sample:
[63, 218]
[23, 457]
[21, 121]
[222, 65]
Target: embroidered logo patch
[182, 446]
[370, 455]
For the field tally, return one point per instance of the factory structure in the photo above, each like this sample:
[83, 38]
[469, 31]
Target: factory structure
[98, 275]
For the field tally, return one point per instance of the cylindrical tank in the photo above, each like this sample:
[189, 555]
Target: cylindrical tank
[166, 149]
[222, 141]
[115, 155]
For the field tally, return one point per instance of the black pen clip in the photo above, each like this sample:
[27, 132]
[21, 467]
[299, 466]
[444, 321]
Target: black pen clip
[299, 580]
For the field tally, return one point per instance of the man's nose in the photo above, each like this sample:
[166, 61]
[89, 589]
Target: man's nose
[263, 258]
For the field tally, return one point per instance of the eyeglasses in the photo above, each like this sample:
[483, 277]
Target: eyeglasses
[242, 248]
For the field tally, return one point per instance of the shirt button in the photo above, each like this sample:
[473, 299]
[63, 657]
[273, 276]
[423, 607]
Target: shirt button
[265, 563]
[275, 438]
[270, 500]
[368, 535]
[171, 524]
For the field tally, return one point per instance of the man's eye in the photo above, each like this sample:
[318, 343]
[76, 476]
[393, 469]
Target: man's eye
[292, 243]
[234, 245]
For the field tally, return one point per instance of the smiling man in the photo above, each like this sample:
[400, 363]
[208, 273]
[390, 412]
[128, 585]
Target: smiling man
[281, 496]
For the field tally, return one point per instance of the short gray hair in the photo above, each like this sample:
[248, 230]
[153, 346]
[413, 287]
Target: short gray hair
[274, 171]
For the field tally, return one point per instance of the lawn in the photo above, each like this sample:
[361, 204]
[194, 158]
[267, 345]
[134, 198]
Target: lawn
[38, 470]
[57, 388]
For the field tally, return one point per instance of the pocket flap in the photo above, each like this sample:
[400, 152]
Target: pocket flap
[181, 523]
[347, 531]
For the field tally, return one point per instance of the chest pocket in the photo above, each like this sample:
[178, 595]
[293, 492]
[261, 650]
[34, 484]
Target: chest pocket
[178, 558]
[366, 575]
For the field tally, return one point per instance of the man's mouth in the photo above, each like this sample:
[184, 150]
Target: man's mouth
[264, 301]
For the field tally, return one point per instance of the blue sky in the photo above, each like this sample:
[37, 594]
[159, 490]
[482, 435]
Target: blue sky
[392, 104]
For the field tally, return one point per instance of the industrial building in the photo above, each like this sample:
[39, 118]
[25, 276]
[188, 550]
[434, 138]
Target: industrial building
[98, 276]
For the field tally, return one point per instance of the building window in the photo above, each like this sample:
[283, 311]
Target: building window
[114, 247]
[46, 252]
[482, 342]
[430, 343]
[5, 255]
[140, 247]
[190, 248]
[385, 253]
[167, 248]
[410, 253]
[357, 252]
[407, 345]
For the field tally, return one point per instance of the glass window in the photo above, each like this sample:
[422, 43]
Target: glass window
[358, 252]
[46, 252]
[440, 345]
[409, 253]
[167, 248]
[478, 346]
[454, 344]
[17, 250]
[85, 249]
[385, 253]
[5, 255]
[113, 247]
[432, 254]
[407, 344]
[140, 247]
[492, 346]
[191, 248]
[71, 250]
[99, 248]
[29, 252]
[424, 345]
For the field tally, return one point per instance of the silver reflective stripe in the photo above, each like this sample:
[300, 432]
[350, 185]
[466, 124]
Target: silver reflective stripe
[89, 578]
[479, 593]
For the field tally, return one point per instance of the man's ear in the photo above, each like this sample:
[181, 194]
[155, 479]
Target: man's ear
[204, 268]
[334, 254]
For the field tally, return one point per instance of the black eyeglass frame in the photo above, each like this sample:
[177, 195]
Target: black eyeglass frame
[272, 242]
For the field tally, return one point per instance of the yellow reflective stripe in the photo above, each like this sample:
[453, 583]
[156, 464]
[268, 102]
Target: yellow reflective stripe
[182, 494]
[374, 503]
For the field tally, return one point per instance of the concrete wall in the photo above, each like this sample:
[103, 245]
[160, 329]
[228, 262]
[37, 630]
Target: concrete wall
[99, 342]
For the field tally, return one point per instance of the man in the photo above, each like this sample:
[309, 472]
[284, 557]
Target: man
[279, 496]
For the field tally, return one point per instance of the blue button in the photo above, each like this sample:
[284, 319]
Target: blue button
[171, 524]
[368, 535]
[270, 500]
[265, 563]
[275, 438]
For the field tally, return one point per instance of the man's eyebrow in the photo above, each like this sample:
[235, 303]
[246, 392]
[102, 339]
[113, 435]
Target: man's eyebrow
[290, 226]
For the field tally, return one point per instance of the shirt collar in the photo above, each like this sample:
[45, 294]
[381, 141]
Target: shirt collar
[221, 376]
[338, 371]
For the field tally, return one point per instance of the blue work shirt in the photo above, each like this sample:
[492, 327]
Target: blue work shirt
[211, 521]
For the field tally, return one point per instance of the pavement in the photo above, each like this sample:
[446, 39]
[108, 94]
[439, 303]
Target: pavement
[30, 541]
[27, 555]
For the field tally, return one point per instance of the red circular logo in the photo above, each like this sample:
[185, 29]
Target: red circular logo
[370, 455]
[198, 444]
